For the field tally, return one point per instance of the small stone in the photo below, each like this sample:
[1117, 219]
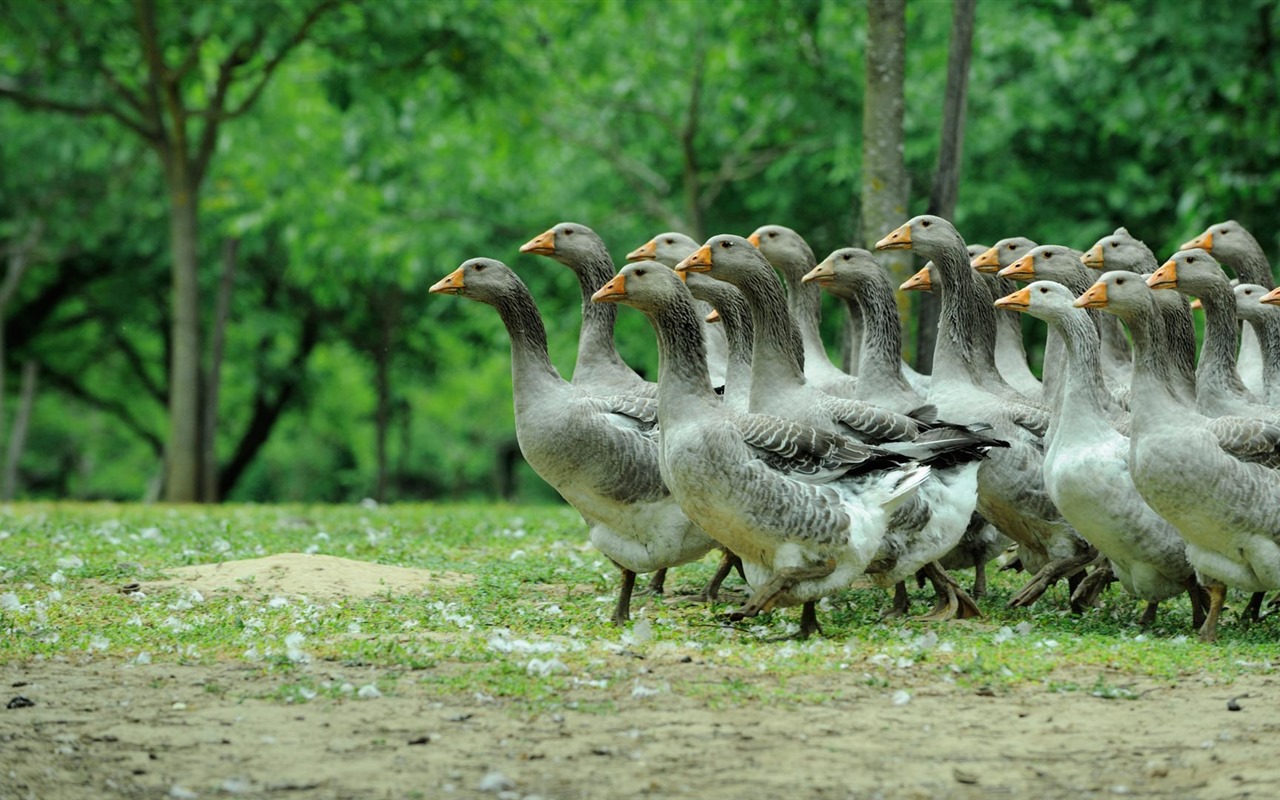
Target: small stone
[495, 781]
[1232, 705]
[20, 702]
[964, 776]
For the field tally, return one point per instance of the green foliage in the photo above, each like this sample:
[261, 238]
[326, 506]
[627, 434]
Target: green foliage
[402, 138]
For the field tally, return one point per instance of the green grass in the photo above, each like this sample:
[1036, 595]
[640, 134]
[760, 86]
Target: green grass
[532, 624]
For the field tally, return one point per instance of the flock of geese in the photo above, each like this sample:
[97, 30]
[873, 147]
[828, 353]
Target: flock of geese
[1128, 462]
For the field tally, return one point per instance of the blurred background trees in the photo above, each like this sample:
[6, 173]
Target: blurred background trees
[338, 157]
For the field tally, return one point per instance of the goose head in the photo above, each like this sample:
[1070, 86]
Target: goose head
[1118, 292]
[729, 258]
[643, 285]
[1225, 240]
[922, 281]
[845, 271]
[668, 248]
[1001, 254]
[784, 248]
[1120, 251]
[570, 243]
[1050, 262]
[1192, 272]
[927, 234]
[1043, 299]
[481, 279]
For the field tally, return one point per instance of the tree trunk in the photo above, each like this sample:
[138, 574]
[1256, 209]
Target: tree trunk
[946, 178]
[885, 186]
[18, 435]
[209, 434]
[182, 451]
[382, 419]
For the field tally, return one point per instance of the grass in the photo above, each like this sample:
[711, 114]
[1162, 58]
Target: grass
[532, 625]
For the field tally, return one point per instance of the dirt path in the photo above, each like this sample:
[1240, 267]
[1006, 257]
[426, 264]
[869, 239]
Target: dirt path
[106, 730]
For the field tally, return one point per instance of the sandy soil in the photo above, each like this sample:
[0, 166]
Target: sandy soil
[100, 729]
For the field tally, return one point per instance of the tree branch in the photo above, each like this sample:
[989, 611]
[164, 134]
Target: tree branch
[113, 407]
[270, 67]
[77, 33]
[138, 364]
[37, 103]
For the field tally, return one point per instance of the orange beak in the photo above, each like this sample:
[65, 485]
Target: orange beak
[755, 240]
[987, 261]
[900, 239]
[922, 281]
[1021, 270]
[824, 273]
[714, 316]
[1164, 278]
[1272, 298]
[449, 284]
[645, 252]
[1018, 301]
[544, 244]
[613, 290]
[700, 261]
[1204, 241]
[1095, 297]
[1093, 258]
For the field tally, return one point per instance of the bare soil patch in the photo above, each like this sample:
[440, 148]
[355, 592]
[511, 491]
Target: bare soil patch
[111, 730]
[318, 577]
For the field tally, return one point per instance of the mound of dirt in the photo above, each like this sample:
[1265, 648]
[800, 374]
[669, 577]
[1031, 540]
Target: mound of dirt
[317, 577]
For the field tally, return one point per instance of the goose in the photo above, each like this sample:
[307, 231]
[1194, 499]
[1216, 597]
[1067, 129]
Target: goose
[1219, 390]
[805, 509]
[853, 275]
[1265, 321]
[1062, 265]
[600, 453]
[791, 255]
[599, 369]
[1123, 252]
[1214, 479]
[779, 385]
[1011, 352]
[966, 388]
[669, 249]
[1086, 469]
[1235, 248]
[731, 313]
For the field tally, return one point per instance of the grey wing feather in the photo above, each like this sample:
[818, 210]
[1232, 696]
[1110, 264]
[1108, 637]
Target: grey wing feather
[796, 449]
[1246, 439]
[869, 422]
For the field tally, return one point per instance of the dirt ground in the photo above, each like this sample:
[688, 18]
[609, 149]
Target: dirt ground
[101, 729]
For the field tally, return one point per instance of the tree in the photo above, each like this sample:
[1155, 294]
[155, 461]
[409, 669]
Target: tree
[183, 72]
[946, 177]
[885, 186]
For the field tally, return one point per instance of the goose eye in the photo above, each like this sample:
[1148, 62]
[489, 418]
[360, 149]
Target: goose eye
[639, 273]
[1114, 244]
[1223, 231]
[925, 223]
[773, 235]
[568, 231]
[1048, 255]
[1044, 290]
[1011, 246]
[726, 244]
[479, 267]
[1191, 260]
[1119, 281]
[847, 256]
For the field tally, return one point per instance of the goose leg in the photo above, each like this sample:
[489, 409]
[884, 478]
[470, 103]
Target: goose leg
[1196, 591]
[712, 590]
[809, 620]
[764, 598]
[901, 602]
[622, 612]
[1050, 574]
[1253, 612]
[1217, 596]
[1094, 584]
[979, 578]
[658, 583]
[1148, 616]
[953, 600]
